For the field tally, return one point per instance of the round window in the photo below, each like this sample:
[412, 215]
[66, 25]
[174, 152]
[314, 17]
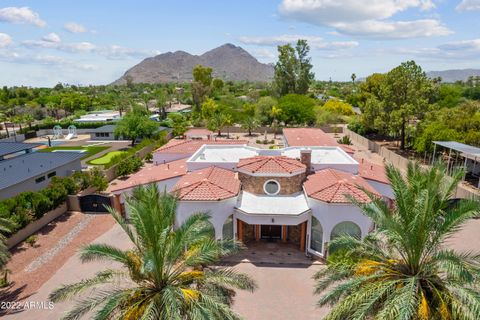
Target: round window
[271, 187]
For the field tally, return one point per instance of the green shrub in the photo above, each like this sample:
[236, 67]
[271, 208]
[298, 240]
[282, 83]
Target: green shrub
[345, 140]
[31, 240]
[98, 179]
[149, 157]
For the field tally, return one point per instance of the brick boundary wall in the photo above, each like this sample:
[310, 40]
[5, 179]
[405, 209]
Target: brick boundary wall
[36, 225]
[400, 162]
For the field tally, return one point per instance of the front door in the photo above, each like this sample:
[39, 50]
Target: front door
[270, 232]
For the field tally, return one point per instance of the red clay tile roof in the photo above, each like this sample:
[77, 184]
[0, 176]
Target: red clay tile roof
[331, 185]
[209, 184]
[372, 171]
[152, 174]
[297, 137]
[198, 132]
[271, 164]
[191, 146]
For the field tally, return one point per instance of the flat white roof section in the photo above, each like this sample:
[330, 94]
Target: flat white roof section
[321, 155]
[288, 205]
[225, 153]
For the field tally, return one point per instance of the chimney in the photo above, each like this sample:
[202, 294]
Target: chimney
[306, 159]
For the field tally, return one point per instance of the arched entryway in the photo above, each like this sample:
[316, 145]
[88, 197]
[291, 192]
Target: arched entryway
[346, 228]
[316, 243]
[227, 230]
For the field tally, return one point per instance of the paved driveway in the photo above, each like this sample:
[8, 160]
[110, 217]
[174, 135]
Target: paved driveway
[285, 291]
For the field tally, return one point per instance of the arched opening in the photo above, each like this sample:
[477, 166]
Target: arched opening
[227, 231]
[346, 227]
[317, 236]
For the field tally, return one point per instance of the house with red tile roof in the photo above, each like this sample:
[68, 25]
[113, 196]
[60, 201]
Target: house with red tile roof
[300, 194]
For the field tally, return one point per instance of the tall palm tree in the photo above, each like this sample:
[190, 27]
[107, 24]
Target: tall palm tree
[403, 270]
[165, 274]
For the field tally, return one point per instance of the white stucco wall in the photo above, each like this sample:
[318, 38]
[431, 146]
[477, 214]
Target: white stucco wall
[346, 167]
[382, 188]
[329, 215]
[193, 166]
[219, 211]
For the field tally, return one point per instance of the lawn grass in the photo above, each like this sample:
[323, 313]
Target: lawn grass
[90, 151]
[106, 158]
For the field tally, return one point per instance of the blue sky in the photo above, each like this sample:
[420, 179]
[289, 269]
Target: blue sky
[94, 42]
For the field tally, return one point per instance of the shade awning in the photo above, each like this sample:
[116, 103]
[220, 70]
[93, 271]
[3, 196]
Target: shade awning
[292, 205]
[460, 147]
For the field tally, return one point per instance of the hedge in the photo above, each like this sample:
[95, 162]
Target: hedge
[29, 206]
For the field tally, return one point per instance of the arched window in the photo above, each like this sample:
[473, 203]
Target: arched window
[346, 227]
[317, 236]
[227, 231]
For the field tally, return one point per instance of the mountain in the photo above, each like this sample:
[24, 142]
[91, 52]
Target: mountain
[229, 62]
[454, 74]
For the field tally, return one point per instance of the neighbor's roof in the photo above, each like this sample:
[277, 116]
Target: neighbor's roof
[105, 128]
[30, 165]
[461, 147]
[293, 204]
[308, 137]
[190, 146]
[271, 164]
[332, 186]
[372, 171]
[209, 184]
[198, 132]
[152, 174]
[13, 147]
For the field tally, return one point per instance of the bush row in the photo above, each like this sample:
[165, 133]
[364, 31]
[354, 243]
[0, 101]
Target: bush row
[156, 142]
[29, 206]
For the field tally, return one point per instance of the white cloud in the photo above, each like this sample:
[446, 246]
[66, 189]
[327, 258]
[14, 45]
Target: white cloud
[116, 52]
[5, 40]
[365, 18]
[21, 15]
[465, 50]
[314, 41]
[469, 5]
[52, 37]
[394, 29]
[263, 53]
[464, 45]
[74, 27]
[74, 47]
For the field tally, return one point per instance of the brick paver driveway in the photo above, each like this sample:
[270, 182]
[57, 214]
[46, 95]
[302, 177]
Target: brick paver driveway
[285, 287]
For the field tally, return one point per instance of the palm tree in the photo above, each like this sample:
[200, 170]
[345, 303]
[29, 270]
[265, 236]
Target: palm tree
[165, 274]
[402, 270]
[274, 113]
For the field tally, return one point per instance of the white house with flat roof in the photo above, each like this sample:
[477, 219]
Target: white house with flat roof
[299, 194]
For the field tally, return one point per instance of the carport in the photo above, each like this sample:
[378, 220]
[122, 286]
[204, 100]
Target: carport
[460, 155]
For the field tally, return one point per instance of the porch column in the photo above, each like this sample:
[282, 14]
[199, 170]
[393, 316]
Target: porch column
[284, 234]
[240, 230]
[302, 236]
[117, 205]
[257, 232]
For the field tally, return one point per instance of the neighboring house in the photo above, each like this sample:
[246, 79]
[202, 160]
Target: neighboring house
[199, 133]
[293, 137]
[33, 171]
[13, 149]
[100, 116]
[298, 194]
[106, 132]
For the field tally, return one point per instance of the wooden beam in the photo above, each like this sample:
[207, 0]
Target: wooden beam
[302, 236]
[257, 232]
[240, 230]
[284, 233]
